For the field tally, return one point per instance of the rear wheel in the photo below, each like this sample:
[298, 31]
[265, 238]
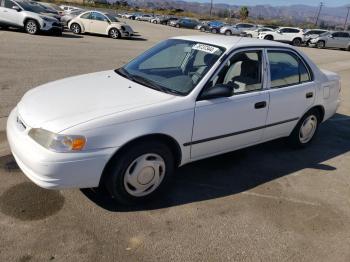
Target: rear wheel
[177, 26]
[305, 130]
[31, 27]
[75, 28]
[249, 35]
[114, 33]
[140, 172]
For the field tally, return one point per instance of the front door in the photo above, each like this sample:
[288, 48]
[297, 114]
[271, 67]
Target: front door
[98, 24]
[10, 16]
[228, 123]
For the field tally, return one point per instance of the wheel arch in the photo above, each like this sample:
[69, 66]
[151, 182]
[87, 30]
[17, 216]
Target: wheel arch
[166, 139]
[31, 18]
[77, 22]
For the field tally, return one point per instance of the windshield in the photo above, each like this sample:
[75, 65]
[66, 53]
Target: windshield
[173, 66]
[31, 7]
[112, 18]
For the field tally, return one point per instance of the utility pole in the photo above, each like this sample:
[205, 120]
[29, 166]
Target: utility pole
[319, 12]
[211, 7]
[347, 16]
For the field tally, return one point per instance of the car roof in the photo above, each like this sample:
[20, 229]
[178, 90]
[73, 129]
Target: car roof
[229, 42]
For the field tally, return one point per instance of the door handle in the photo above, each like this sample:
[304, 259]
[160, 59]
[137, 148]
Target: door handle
[259, 105]
[309, 95]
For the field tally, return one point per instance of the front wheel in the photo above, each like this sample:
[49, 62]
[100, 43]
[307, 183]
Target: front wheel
[140, 172]
[228, 32]
[177, 26]
[304, 132]
[214, 31]
[296, 42]
[31, 27]
[321, 44]
[268, 37]
[75, 28]
[114, 33]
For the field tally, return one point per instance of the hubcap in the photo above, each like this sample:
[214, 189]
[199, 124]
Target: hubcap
[114, 33]
[308, 129]
[144, 175]
[75, 29]
[31, 27]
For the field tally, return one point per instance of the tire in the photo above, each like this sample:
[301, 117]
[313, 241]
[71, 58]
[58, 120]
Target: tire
[214, 31]
[321, 44]
[177, 26]
[202, 29]
[268, 37]
[249, 35]
[309, 123]
[296, 42]
[114, 33]
[228, 32]
[31, 27]
[135, 164]
[75, 28]
[348, 48]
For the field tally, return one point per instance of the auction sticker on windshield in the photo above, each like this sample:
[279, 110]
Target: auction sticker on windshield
[205, 48]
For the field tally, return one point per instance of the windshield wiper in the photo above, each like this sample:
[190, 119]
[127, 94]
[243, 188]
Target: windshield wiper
[121, 71]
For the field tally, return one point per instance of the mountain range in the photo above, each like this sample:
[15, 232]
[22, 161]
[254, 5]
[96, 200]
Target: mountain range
[292, 13]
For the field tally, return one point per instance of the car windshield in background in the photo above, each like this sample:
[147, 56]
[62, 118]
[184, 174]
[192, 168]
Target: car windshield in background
[173, 66]
[112, 18]
[32, 7]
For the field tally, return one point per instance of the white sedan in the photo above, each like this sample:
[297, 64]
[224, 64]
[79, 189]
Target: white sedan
[96, 22]
[185, 99]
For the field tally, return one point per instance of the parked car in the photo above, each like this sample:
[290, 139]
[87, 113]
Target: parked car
[339, 40]
[236, 29]
[312, 33]
[65, 19]
[52, 8]
[151, 116]
[210, 26]
[144, 17]
[67, 8]
[99, 23]
[294, 36]
[173, 21]
[255, 33]
[214, 27]
[163, 20]
[185, 23]
[27, 15]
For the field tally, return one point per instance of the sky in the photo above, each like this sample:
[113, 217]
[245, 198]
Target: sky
[330, 3]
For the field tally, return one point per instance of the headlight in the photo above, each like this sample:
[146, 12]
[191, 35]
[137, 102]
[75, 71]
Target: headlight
[46, 18]
[56, 142]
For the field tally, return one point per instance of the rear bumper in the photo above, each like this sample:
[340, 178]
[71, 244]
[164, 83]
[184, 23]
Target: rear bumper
[53, 170]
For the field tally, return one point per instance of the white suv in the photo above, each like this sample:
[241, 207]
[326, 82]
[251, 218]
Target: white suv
[28, 15]
[289, 35]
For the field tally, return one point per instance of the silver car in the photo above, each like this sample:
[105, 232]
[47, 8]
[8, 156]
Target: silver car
[339, 40]
[236, 29]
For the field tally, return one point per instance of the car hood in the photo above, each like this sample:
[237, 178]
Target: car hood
[62, 104]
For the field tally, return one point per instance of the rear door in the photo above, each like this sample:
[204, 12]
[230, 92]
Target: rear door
[291, 91]
[334, 40]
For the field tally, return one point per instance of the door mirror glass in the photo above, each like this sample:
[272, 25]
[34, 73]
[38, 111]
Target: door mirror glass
[216, 91]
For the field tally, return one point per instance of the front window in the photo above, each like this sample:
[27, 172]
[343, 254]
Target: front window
[173, 66]
[31, 7]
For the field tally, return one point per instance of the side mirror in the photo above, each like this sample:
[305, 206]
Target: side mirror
[15, 7]
[216, 91]
[330, 36]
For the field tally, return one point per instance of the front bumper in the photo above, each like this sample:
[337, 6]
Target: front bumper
[52, 27]
[53, 170]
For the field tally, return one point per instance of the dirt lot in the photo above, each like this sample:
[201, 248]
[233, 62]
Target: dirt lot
[265, 203]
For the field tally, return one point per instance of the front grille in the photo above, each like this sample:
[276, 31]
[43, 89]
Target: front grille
[56, 24]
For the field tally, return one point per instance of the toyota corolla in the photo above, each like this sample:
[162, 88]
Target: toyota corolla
[185, 99]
